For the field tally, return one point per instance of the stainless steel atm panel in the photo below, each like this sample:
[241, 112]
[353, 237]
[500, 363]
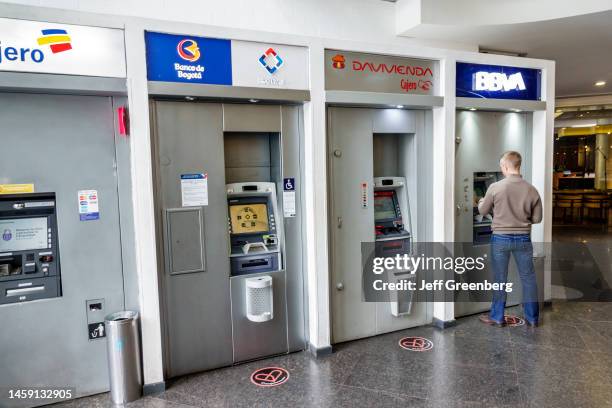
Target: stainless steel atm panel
[64, 144]
[365, 144]
[482, 137]
[204, 309]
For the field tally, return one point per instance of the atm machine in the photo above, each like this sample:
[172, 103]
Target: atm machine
[482, 223]
[393, 226]
[228, 201]
[29, 250]
[482, 137]
[380, 195]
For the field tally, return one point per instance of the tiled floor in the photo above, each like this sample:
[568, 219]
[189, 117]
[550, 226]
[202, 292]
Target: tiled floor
[567, 362]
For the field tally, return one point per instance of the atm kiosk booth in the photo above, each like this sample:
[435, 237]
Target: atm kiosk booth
[495, 113]
[380, 154]
[66, 253]
[228, 156]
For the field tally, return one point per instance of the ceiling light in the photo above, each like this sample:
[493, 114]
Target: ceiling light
[516, 110]
[600, 83]
[190, 98]
[472, 109]
[253, 100]
[585, 125]
[400, 106]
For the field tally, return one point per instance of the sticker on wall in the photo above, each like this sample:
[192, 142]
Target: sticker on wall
[416, 343]
[96, 330]
[194, 189]
[269, 376]
[16, 188]
[289, 208]
[88, 205]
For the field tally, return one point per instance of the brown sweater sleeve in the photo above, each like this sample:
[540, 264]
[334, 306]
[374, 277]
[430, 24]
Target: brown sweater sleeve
[485, 205]
[536, 208]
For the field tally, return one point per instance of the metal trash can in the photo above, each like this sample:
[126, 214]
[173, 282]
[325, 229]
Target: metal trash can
[124, 366]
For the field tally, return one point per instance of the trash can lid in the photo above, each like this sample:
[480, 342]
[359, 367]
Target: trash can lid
[123, 317]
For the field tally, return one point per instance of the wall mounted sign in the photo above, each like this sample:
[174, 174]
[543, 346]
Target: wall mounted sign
[498, 82]
[191, 59]
[352, 71]
[33, 46]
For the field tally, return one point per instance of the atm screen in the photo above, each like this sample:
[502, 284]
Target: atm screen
[249, 218]
[21, 234]
[480, 189]
[384, 206]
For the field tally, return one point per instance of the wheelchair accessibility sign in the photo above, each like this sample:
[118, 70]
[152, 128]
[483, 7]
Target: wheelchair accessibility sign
[289, 208]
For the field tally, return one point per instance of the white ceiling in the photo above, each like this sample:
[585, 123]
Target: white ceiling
[581, 46]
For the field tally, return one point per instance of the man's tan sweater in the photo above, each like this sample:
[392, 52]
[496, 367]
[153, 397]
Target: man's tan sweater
[515, 203]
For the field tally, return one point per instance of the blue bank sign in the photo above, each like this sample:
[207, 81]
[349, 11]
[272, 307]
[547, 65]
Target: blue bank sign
[498, 82]
[175, 58]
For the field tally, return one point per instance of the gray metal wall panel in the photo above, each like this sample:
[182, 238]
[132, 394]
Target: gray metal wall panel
[400, 149]
[198, 316]
[251, 118]
[45, 343]
[221, 92]
[248, 156]
[61, 84]
[293, 227]
[350, 132]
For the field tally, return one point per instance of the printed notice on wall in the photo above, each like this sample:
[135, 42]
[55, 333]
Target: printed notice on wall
[88, 205]
[194, 189]
[289, 197]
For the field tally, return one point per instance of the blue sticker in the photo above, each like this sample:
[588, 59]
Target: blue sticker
[179, 58]
[118, 344]
[498, 82]
[289, 184]
[89, 216]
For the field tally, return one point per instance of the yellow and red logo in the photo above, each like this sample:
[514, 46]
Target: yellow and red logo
[57, 39]
[188, 50]
[338, 61]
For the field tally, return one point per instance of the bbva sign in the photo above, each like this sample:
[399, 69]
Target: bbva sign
[497, 82]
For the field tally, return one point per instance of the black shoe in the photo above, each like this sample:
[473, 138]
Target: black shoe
[486, 319]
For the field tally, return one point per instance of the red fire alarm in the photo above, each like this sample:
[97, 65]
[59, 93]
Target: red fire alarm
[123, 121]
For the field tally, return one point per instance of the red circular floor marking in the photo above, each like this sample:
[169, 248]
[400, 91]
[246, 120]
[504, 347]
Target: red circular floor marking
[269, 376]
[514, 321]
[416, 343]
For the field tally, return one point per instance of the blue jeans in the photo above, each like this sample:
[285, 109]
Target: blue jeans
[502, 245]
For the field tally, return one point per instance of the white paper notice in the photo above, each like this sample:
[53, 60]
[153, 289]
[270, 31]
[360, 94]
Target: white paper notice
[194, 189]
[289, 203]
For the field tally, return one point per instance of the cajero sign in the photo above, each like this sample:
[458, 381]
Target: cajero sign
[40, 47]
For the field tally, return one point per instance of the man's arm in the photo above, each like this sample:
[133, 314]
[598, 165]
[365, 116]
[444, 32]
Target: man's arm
[485, 205]
[536, 208]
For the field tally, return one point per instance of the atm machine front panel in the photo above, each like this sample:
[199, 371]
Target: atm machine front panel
[61, 144]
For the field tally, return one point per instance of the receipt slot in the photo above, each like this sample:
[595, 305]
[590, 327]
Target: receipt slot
[29, 253]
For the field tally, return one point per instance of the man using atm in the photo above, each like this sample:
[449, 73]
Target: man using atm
[516, 205]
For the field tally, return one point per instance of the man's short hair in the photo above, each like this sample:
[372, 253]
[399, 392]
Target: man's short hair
[512, 159]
